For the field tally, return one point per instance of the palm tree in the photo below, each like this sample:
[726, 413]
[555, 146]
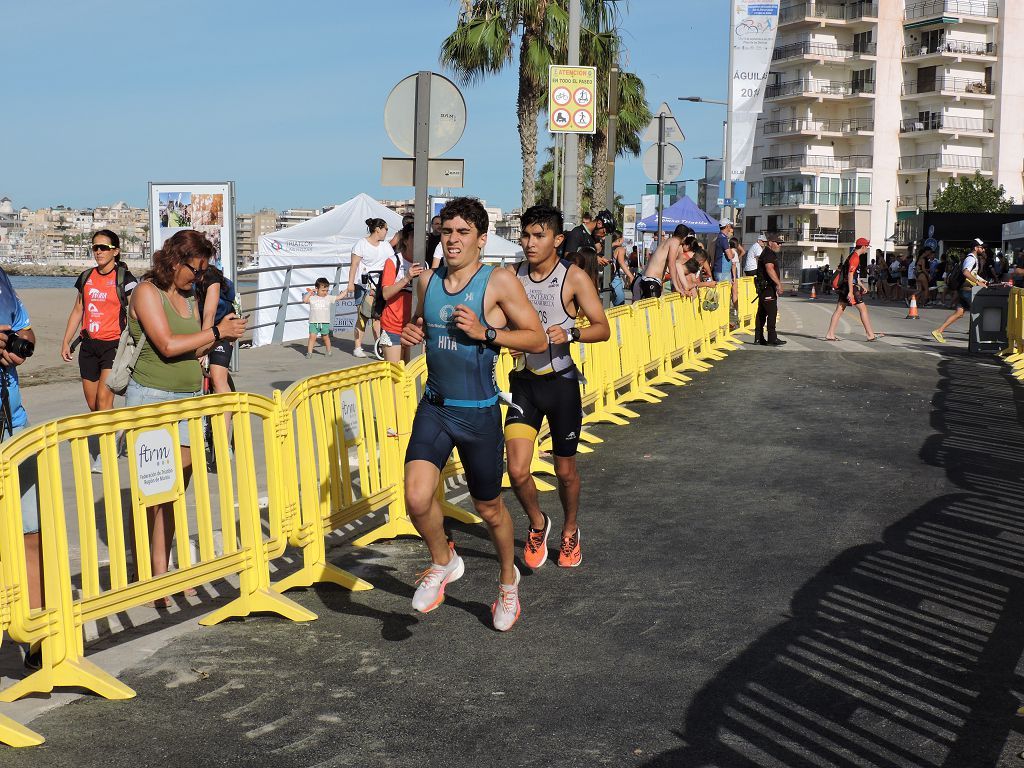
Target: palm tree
[484, 43]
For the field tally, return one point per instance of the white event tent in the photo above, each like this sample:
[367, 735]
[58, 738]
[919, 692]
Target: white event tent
[322, 247]
[319, 247]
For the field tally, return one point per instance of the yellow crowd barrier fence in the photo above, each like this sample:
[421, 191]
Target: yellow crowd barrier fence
[288, 470]
[1014, 352]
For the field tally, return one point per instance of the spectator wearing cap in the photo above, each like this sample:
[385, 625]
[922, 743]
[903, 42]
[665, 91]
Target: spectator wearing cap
[961, 280]
[722, 263]
[851, 293]
[752, 255]
[585, 235]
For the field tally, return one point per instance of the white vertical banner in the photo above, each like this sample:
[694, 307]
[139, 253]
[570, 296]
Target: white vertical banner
[754, 25]
[648, 205]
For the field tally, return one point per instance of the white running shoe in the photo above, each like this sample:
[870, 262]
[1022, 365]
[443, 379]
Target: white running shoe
[431, 583]
[358, 352]
[506, 608]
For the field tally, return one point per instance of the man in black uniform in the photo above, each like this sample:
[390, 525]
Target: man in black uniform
[769, 289]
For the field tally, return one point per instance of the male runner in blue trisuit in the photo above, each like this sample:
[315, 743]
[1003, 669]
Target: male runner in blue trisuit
[548, 385]
[467, 311]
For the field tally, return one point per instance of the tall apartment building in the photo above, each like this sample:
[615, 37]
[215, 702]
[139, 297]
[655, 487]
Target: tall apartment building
[248, 229]
[871, 108]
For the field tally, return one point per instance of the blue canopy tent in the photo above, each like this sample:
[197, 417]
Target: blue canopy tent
[682, 211]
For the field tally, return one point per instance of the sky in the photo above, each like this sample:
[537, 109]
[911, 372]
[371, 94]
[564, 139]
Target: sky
[286, 99]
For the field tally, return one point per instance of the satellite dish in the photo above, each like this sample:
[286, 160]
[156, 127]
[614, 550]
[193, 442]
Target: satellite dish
[447, 115]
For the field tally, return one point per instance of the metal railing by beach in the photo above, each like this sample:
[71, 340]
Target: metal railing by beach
[953, 46]
[942, 161]
[818, 87]
[796, 125]
[983, 8]
[948, 84]
[937, 122]
[793, 162]
[795, 198]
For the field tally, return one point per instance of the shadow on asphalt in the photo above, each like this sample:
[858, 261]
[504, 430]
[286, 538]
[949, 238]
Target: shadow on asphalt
[902, 653]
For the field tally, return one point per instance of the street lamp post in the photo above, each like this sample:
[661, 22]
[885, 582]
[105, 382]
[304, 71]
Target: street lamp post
[726, 174]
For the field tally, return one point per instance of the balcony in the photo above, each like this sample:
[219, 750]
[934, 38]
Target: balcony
[951, 48]
[948, 124]
[936, 11]
[817, 236]
[814, 163]
[797, 199]
[960, 87]
[821, 13]
[912, 202]
[820, 89]
[806, 126]
[945, 163]
[811, 50]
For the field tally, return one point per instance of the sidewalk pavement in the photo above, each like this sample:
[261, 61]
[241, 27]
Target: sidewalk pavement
[801, 558]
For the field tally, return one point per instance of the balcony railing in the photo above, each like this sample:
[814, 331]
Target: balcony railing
[950, 45]
[949, 84]
[817, 235]
[797, 11]
[912, 201]
[786, 199]
[823, 87]
[956, 162]
[793, 162]
[796, 125]
[937, 122]
[986, 8]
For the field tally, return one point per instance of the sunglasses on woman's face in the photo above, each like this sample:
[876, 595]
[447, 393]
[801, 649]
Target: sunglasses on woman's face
[193, 270]
[97, 247]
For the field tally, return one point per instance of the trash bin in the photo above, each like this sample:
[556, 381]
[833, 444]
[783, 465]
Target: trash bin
[989, 308]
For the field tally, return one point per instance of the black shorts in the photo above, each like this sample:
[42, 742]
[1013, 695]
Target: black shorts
[963, 299]
[557, 398]
[96, 356]
[220, 353]
[650, 287]
[858, 298]
[476, 432]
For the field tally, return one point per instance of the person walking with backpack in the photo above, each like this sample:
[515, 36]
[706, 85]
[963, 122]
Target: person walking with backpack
[959, 282]
[101, 312]
[850, 293]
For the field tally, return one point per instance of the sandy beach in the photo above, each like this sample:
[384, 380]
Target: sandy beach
[52, 388]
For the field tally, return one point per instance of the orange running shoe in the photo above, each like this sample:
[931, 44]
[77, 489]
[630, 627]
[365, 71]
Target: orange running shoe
[535, 552]
[569, 555]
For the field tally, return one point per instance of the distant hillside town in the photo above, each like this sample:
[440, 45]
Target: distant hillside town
[59, 236]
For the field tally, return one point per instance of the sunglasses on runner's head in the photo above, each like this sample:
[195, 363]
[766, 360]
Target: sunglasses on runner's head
[97, 247]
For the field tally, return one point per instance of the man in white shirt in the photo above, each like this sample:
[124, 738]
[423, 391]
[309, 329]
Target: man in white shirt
[750, 260]
[962, 282]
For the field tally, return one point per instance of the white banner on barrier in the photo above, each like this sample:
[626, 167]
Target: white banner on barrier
[754, 25]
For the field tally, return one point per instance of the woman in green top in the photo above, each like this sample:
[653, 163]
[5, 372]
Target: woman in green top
[168, 367]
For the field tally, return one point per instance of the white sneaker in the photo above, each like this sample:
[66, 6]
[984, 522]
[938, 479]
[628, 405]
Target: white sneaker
[358, 352]
[431, 583]
[97, 465]
[506, 608]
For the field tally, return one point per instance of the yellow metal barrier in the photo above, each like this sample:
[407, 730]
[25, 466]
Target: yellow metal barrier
[346, 462]
[723, 319]
[1014, 352]
[747, 305]
[124, 578]
[11, 733]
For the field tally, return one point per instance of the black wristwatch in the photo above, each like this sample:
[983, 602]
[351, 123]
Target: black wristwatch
[216, 333]
[574, 334]
[490, 335]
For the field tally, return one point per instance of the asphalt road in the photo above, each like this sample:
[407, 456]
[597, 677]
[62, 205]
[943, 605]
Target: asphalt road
[809, 556]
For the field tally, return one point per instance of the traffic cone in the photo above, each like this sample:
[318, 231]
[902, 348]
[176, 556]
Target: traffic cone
[912, 315]
[814, 292]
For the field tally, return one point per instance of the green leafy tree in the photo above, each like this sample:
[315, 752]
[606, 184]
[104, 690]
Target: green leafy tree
[485, 41]
[972, 194]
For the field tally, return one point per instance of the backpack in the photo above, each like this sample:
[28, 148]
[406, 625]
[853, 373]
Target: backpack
[954, 275]
[119, 281]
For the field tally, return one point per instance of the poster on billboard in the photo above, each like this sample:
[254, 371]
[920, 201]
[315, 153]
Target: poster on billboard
[754, 24]
[629, 225]
[208, 208]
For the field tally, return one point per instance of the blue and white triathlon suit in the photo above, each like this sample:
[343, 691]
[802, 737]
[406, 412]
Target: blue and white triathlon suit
[548, 386]
[459, 408]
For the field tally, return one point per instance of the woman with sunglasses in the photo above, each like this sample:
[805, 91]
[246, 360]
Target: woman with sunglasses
[100, 310]
[163, 306]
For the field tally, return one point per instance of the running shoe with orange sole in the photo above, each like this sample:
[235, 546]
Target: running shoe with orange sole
[535, 551]
[569, 554]
[432, 582]
[505, 610]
